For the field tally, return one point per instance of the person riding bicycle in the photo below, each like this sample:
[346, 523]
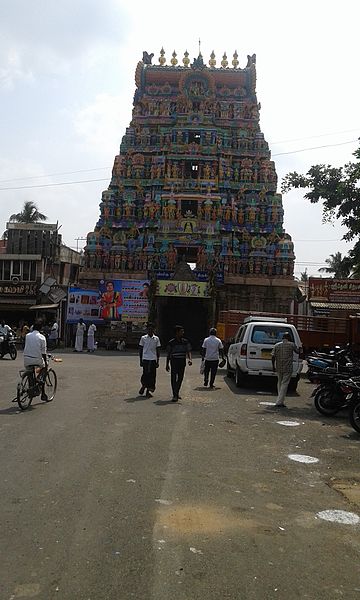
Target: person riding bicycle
[35, 353]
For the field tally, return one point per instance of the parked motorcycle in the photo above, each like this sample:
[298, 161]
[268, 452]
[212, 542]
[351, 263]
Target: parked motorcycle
[353, 384]
[8, 346]
[340, 361]
[332, 393]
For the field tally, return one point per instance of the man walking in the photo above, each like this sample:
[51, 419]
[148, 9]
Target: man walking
[149, 352]
[54, 335]
[91, 337]
[79, 337]
[178, 349]
[211, 349]
[282, 361]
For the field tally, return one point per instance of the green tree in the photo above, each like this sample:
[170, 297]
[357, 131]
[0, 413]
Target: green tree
[339, 190]
[340, 266]
[304, 276]
[29, 214]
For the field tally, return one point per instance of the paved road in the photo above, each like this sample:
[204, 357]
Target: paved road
[108, 496]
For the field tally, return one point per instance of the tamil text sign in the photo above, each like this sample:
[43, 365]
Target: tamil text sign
[334, 290]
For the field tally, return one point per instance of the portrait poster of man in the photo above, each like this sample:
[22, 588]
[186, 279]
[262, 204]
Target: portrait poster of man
[110, 299]
[135, 300]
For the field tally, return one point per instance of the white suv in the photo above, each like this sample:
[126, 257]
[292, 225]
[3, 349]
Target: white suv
[250, 353]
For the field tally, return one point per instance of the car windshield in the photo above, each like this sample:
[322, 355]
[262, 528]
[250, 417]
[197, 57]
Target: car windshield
[269, 334]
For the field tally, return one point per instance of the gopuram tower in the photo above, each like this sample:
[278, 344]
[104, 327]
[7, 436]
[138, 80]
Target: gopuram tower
[192, 198]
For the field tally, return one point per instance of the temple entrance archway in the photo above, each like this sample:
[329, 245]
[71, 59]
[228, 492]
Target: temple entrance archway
[192, 313]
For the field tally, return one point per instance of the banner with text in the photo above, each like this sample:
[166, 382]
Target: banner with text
[185, 289]
[334, 290]
[124, 299]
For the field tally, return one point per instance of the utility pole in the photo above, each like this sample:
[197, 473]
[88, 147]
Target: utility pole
[77, 242]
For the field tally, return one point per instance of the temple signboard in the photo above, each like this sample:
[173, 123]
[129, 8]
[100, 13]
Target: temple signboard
[184, 289]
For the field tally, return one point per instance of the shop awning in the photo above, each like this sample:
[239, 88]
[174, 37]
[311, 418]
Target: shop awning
[44, 306]
[336, 305]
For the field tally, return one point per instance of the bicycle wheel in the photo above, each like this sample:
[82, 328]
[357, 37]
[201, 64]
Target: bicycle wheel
[23, 395]
[50, 385]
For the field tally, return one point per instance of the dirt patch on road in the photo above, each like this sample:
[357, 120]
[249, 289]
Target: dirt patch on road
[349, 488]
[190, 519]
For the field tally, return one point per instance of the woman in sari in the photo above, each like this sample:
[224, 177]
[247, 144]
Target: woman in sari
[110, 302]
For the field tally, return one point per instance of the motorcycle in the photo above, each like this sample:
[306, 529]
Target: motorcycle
[354, 412]
[340, 361]
[8, 346]
[332, 393]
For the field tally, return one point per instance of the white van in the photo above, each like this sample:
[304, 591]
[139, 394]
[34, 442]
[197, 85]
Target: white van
[250, 354]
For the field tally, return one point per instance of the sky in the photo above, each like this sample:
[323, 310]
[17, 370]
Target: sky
[67, 84]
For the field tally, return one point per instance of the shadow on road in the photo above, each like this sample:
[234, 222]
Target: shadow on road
[305, 413]
[164, 402]
[14, 410]
[353, 436]
[136, 399]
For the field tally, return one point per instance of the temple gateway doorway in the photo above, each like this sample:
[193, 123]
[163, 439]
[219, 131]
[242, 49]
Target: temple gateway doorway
[191, 313]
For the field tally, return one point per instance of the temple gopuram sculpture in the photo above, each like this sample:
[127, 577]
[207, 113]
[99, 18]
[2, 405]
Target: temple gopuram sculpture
[194, 182]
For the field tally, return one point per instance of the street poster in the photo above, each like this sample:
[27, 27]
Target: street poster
[82, 304]
[124, 299]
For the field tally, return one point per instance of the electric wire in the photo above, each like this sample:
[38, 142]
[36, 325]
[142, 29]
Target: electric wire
[60, 183]
[43, 185]
[315, 148]
[54, 174]
[311, 137]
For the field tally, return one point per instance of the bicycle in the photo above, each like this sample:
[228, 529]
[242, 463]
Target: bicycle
[31, 386]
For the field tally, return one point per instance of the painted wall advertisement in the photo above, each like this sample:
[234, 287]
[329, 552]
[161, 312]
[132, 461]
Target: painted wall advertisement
[115, 300]
[185, 289]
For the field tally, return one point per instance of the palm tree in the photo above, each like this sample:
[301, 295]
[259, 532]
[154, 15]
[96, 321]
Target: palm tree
[304, 276]
[29, 214]
[340, 266]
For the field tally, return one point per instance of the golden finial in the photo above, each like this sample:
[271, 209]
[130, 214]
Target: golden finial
[224, 62]
[174, 60]
[162, 59]
[235, 62]
[186, 59]
[212, 61]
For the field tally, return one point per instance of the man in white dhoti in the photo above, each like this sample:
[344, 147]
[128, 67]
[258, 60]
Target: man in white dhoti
[91, 338]
[79, 338]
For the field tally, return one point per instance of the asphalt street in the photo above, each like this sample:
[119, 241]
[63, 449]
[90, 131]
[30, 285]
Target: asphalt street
[107, 495]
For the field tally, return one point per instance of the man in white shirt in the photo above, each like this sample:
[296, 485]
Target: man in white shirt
[35, 352]
[212, 349]
[5, 330]
[91, 338]
[149, 352]
[54, 334]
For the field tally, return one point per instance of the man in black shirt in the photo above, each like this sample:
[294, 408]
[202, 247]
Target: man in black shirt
[178, 349]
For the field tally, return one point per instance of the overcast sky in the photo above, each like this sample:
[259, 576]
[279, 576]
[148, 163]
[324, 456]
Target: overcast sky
[67, 83]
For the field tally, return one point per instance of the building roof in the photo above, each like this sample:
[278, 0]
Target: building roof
[336, 305]
[43, 306]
